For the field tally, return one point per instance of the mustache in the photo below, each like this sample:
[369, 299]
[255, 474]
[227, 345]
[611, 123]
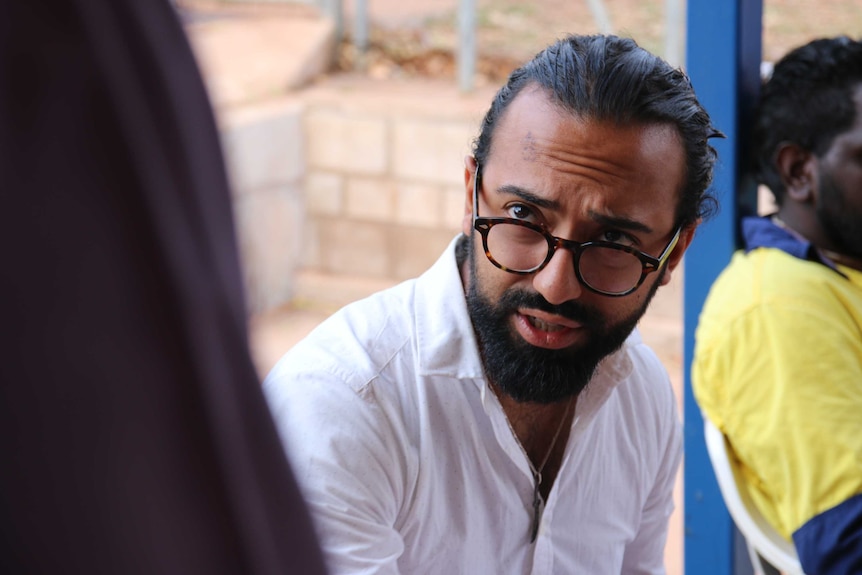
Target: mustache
[514, 299]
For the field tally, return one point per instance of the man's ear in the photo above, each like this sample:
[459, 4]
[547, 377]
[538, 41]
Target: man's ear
[798, 170]
[685, 237]
[469, 174]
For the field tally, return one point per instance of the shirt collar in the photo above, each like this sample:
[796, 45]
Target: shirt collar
[444, 334]
[763, 232]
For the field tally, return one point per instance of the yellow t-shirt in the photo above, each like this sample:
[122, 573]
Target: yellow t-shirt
[778, 369]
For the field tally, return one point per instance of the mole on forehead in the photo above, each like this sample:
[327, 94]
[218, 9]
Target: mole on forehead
[529, 150]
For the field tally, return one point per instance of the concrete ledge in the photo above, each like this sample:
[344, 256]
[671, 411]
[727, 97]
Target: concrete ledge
[266, 165]
[269, 224]
[263, 144]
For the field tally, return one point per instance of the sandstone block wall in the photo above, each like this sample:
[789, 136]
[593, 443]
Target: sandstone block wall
[365, 185]
[384, 187]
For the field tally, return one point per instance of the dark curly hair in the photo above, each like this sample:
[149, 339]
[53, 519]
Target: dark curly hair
[807, 101]
[606, 77]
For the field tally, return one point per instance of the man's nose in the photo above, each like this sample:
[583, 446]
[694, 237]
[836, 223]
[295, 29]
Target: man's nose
[557, 281]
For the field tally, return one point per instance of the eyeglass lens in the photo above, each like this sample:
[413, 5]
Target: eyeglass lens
[523, 249]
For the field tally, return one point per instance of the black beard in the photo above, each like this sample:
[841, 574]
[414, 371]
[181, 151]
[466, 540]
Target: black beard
[837, 219]
[537, 375]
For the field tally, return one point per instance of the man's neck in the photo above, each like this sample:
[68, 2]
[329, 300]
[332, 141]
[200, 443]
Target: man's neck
[843, 259]
[817, 238]
[542, 430]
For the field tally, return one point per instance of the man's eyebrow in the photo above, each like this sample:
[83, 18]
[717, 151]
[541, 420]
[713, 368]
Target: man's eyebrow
[529, 197]
[604, 219]
[620, 222]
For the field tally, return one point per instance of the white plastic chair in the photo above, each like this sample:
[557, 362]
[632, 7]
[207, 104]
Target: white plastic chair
[764, 542]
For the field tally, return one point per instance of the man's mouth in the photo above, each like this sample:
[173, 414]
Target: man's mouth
[546, 321]
[543, 325]
[548, 331]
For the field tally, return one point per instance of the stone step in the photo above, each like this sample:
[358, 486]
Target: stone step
[249, 54]
[317, 295]
[323, 291]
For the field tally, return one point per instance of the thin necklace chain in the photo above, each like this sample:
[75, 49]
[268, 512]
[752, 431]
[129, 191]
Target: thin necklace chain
[538, 501]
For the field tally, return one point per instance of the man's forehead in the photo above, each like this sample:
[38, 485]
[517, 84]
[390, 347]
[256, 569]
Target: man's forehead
[632, 170]
[535, 114]
[574, 143]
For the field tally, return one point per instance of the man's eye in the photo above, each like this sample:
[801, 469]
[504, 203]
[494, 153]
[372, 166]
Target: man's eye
[520, 212]
[617, 237]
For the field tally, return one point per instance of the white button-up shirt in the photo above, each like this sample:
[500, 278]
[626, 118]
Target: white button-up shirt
[409, 466]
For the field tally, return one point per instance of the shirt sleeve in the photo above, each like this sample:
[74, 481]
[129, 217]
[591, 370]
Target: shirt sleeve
[645, 554]
[831, 542]
[350, 461]
[782, 382]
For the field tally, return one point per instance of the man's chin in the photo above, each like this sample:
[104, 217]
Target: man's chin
[531, 374]
[545, 386]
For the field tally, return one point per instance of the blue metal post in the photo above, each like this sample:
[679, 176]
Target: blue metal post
[723, 60]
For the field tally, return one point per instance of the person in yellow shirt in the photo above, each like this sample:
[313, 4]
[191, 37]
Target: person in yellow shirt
[778, 353]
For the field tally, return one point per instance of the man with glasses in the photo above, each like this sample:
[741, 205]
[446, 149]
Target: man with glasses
[500, 414]
[778, 354]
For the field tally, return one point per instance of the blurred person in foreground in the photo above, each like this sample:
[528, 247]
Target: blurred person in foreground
[134, 435]
[778, 355]
[501, 414]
